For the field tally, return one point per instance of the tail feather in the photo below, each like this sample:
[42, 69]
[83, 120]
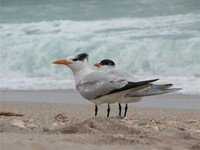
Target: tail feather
[151, 92]
[161, 86]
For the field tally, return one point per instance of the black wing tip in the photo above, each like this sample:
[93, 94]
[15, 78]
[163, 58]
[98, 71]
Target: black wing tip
[153, 80]
[147, 81]
[132, 85]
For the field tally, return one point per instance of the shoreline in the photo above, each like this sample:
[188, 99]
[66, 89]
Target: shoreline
[175, 101]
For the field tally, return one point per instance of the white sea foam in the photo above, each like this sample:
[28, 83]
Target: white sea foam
[166, 46]
[36, 83]
[189, 84]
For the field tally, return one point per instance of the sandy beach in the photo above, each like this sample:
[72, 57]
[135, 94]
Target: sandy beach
[133, 41]
[73, 126]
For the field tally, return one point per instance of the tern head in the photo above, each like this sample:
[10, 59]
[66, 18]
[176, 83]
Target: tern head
[75, 63]
[105, 64]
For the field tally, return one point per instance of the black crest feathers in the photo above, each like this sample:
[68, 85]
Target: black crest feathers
[82, 56]
[107, 62]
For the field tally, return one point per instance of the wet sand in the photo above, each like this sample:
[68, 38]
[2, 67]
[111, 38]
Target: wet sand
[73, 126]
[172, 100]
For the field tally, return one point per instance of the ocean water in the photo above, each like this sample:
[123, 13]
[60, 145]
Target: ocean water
[148, 38]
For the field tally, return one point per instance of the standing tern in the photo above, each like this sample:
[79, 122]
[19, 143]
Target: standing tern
[99, 87]
[108, 66]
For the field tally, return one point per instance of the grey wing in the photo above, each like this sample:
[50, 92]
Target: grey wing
[98, 84]
[123, 74]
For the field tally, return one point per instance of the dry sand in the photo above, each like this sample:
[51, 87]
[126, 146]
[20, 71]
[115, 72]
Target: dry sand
[73, 126]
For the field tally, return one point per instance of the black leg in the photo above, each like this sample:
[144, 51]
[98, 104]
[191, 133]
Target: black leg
[120, 109]
[108, 111]
[96, 110]
[126, 108]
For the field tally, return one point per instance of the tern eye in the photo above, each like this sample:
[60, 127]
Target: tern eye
[75, 59]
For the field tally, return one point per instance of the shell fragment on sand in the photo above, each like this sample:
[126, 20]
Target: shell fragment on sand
[18, 123]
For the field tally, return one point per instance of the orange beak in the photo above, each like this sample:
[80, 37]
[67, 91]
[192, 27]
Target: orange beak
[62, 62]
[97, 65]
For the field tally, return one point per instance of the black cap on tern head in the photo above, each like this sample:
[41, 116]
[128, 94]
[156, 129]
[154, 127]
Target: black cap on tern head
[82, 57]
[107, 62]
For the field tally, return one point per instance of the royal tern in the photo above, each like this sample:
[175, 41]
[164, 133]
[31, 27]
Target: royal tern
[99, 87]
[108, 66]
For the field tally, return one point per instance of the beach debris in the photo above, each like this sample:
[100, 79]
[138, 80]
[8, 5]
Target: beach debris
[3, 113]
[156, 122]
[61, 118]
[46, 129]
[142, 124]
[156, 128]
[191, 121]
[18, 123]
[32, 126]
[54, 124]
[26, 121]
[181, 128]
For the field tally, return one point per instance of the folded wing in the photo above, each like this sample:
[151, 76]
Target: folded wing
[99, 84]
